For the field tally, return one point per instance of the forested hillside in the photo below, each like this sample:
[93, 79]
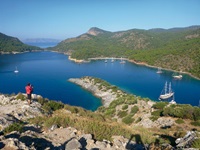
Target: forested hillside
[176, 48]
[10, 44]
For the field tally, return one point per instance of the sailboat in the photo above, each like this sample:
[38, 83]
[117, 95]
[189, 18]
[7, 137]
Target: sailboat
[122, 61]
[159, 70]
[177, 76]
[167, 92]
[112, 60]
[16, 70]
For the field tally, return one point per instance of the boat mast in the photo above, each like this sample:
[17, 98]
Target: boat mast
[165, 87]
[170, 90]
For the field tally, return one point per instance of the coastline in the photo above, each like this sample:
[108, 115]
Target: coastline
[103, 58]
[132, 61]
[105, 94]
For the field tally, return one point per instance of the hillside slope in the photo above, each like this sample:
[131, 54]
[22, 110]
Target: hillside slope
[12, 44]
[176, 48]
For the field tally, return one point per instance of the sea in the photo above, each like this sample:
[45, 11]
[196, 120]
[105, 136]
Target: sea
[49, 72]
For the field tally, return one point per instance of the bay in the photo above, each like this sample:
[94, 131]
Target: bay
[49, 73]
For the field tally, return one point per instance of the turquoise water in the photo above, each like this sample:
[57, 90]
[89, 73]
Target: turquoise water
[49, 73]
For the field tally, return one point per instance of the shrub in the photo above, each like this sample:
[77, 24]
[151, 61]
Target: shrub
[122, 114]
[117, 102]
[196, 123]
[14, 127]
[179, 121]
[154, 118]
[42, 100]
[53, 105]
[196, 143]
[138, 120]
[131, 99]
[134, 109]
[110, 111]
[101, 109]
[124, 107]
[128, 119]
[157, 113]
[21, 96]
[159, 105]
[59, 121]
[182, 111]
[179, 134]
[196, 113]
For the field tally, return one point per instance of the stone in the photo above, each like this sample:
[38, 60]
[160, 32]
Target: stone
[73, 144]
[187, 140]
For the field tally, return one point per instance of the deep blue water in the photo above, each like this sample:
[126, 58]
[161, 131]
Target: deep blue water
[49, 73]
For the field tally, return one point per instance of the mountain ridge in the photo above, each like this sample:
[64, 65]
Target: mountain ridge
[165, 48]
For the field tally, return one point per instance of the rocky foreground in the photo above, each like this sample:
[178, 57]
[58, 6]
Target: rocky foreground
[34, 137]
[13, 110]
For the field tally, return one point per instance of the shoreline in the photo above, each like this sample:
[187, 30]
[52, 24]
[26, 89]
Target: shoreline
[103, 58]
[132, 61]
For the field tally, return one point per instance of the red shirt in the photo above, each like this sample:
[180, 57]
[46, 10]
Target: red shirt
[28, 89]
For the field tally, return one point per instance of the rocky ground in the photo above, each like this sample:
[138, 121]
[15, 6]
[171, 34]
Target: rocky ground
[33, 137]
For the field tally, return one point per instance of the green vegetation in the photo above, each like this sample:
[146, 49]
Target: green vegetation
[124, 107]
[177, 49]
[196, 143]
[179, 121]
[21, 96]
[14, 127]
[181, 111]
[10, 44]
[128, 119]
[134, 109]
[159, 105]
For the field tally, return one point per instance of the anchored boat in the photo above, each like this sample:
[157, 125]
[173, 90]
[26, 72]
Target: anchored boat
[159, 70]
[167, 92]
[16, 70]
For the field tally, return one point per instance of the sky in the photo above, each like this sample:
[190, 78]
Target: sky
[62, 19]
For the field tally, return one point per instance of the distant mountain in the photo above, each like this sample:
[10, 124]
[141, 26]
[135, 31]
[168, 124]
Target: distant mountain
[96, 31]
[11, 44]
[41, 40]
[175, 48]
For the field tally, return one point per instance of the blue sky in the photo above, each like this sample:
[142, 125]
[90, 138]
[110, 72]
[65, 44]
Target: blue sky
[62, 19]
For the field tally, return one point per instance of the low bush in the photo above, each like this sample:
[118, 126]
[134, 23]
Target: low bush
[131, 99]
[21, 96]
[179, 121]
[157, 113]
[117, 102]
[196, 143]
[53, 105]
[182, 111]
[154, 118]
[159, 105]
[128, 119]
[134, 110]
[124, 107]
[138, 120]
[110, 112]
[195, 123]
[14, 127]
[122, 114]
[42, 100]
